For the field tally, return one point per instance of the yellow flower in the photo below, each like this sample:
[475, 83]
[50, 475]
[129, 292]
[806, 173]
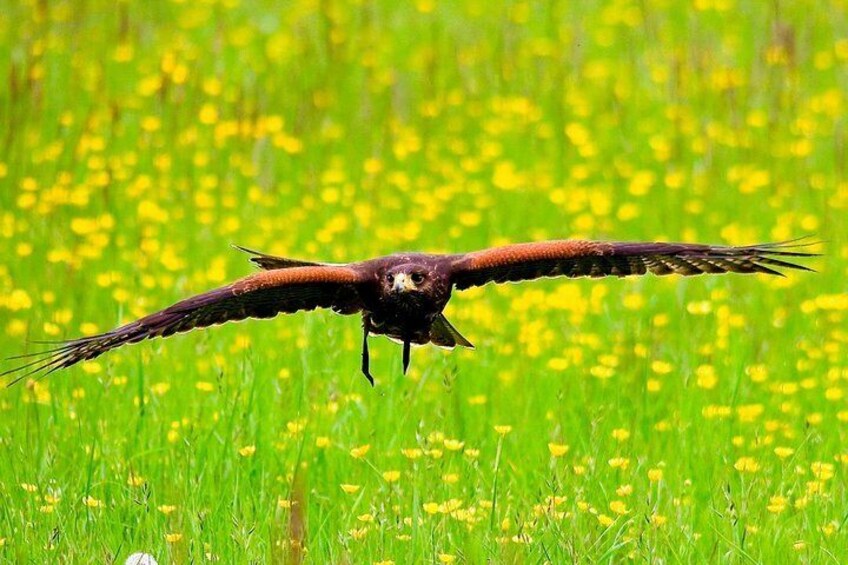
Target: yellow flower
[618, 507]
[296, 426]
[777, 504]
[160, 389]
[92, 502]
[350, 489]
[633, 301]
[29, 487]
[173, 537]
[91, 367]
[746, 465]
[700, 308]
[413, 453]
[247, 451]
[450, 506]
[658, 520]
[661, 367]
[150, 123]
[655, 475]
[208, 114]
[558, 449]
[829, 528]
[758, 373]
[359, 452]
[365, 518]
[431, 507]
[322, 442]
[447, 558]
[822, 471]
[749, 412]
[372, 166]
[453, 444]
[605, 520]
[621, 434]
[391, 476]
[783, 452]
[18, 300]
[619, 463]
[502, 430]
[706, 376]
[358, 533]
[286, 503]
[135, 481]
[166, 508]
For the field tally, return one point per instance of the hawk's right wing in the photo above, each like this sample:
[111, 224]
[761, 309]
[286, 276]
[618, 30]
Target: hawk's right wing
[263, 295]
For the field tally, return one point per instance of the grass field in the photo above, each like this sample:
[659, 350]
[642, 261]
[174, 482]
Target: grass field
[651, 419]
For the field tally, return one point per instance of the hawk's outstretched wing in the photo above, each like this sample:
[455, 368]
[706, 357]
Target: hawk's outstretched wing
[576, 258]
[263, 295]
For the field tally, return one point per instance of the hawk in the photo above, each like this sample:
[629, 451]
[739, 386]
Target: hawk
[402, 296]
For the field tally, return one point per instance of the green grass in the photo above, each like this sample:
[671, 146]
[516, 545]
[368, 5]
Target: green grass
[705, 418]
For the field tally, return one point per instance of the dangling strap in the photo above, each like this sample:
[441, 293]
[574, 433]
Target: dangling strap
[366, 361]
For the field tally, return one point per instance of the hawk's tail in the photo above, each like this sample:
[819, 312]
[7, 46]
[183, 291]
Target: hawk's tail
[443, 334]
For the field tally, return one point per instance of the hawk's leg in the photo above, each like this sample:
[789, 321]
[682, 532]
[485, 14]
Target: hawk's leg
[366, 361]
[405, 356]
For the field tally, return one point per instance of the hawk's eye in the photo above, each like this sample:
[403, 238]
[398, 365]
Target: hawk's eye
[417, 278]
[390, 278]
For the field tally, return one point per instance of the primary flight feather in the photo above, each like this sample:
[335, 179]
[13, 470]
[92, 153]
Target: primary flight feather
[402, 296]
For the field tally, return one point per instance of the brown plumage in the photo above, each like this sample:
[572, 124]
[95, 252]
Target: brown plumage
[402, 296]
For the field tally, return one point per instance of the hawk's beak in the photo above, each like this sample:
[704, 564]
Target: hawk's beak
[402, 283]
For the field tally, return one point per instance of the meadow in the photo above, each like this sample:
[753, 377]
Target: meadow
[649, 420]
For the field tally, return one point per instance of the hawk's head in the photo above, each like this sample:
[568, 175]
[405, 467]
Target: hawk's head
[407, 278]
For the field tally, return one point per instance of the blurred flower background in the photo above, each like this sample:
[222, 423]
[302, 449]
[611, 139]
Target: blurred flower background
[652, 419]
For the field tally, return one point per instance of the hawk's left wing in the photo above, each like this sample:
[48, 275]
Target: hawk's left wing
[576, 258]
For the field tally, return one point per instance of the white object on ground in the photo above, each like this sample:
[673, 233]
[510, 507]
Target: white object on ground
[140, 558]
